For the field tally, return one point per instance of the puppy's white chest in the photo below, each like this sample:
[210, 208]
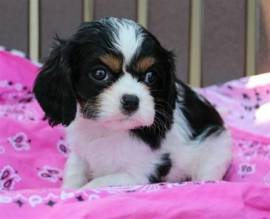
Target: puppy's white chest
[110, 153]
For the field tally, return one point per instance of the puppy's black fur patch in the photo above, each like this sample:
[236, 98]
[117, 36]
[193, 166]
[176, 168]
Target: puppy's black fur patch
[202, 117]
[162, 169]
[53, 87]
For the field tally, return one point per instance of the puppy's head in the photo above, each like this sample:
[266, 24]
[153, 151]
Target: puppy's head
[115, 71]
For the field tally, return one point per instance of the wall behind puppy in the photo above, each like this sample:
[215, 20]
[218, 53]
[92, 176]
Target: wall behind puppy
[214, 40]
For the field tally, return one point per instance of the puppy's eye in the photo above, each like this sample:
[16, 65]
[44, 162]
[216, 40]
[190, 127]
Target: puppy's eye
[150, 77]
[99, 74]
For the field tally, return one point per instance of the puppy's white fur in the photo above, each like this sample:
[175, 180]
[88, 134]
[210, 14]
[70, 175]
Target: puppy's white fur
[115, 158]
[106, 152]
[127, 38]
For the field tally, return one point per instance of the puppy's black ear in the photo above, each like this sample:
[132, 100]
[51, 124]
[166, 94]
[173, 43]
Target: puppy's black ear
[53, 87]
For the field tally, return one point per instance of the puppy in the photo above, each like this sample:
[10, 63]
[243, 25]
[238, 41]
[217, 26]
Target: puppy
[128, 120]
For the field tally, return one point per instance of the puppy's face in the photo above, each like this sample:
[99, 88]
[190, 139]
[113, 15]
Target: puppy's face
[118, 95]
[115, 71]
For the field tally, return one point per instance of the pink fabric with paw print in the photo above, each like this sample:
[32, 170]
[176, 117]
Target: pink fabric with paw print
[32, 157]
[32, 154]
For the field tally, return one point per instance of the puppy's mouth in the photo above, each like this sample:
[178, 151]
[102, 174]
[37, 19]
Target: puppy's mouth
[122, 122]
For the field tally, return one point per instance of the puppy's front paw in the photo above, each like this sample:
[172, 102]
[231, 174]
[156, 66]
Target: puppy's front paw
[97, 183]
[113, 180]
[72, 184]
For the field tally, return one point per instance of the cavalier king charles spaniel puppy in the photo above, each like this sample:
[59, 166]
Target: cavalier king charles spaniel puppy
[128, 119]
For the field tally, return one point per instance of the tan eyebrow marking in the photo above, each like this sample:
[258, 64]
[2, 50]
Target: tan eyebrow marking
[145, 63]
[113, 62]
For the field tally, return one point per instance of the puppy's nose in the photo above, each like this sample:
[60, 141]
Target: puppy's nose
[130, 103]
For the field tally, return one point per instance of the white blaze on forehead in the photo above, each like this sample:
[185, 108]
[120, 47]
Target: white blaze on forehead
[128, 37]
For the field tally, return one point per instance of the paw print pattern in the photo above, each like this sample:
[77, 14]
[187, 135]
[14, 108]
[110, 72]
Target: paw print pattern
[17, 93]
[20, 142]
[8, 178]
[16, 98]
[51, 174]
[246, 169]
[62, 148]
[263, 151]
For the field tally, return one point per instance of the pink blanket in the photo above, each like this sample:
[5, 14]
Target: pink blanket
[32, 157]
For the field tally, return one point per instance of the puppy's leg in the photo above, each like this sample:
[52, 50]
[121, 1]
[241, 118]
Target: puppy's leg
[212, 171]
[118, 179]
[214, 161]
[75, 173]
